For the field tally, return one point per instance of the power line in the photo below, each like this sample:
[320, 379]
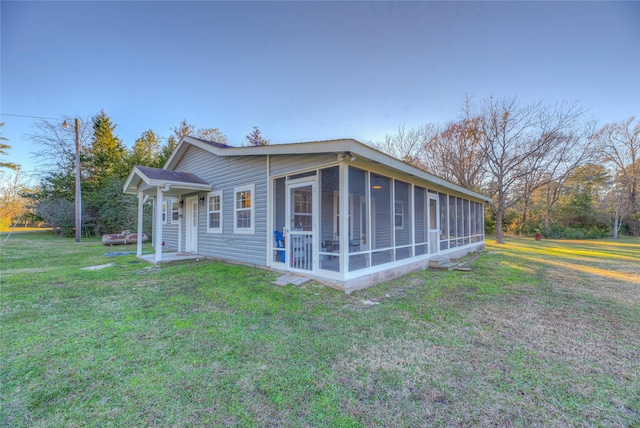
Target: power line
[31, 117]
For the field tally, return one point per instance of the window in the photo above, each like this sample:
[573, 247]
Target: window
[244, 209]
[175, 212]
[164, 212]
[214, 212]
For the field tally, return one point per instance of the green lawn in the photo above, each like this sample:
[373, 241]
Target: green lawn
[537, 334]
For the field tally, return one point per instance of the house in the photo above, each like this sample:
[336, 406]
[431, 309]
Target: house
[337, 211]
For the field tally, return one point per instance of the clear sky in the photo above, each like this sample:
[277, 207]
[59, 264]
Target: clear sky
[306, 71]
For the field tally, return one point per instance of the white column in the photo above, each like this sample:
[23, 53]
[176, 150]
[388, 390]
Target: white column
[343, 196]
[157, 239]
[140, 220]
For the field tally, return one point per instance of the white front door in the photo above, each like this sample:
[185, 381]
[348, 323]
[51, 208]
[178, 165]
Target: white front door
[434, 224]
[191, 225]
[301, 245]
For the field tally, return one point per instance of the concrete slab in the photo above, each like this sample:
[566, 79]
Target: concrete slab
[290, 279]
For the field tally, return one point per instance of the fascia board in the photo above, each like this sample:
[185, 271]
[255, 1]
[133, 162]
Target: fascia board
[343, 145]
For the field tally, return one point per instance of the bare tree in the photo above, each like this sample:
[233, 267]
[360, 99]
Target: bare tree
[571, 148]
[619, 145]
[254, 138]
[408, 145]
[57, 144]
[516, 142]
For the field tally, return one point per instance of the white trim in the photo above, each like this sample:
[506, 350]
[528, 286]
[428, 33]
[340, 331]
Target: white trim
[191, 230]
[220, 211]
[165, 210]
[336, 146]
[252, 208]
[173, 202]
[157, 241]
[140, 223]
[292, 234]
[336, 214]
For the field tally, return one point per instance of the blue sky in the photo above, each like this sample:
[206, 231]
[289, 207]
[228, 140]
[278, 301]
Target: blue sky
[305, 71]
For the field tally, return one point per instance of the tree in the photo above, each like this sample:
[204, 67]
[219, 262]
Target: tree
[408, 145]
[586, 183]
[12, 202]
[57, 145]
[619, 146]
[146, 150]
[3, 149]
[454, 153]
[254, 138]
[107, 155]
[183, 130]
[212, 134]
[59, 213]
[167, 149]
[187, 129]
[515, 141]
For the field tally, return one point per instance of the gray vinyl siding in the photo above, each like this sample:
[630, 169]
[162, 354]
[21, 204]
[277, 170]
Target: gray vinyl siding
[170, 237]
[286, 164]
[227, 173]
[169, 231]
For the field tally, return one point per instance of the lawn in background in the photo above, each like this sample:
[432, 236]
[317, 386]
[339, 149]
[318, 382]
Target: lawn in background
[537, 333]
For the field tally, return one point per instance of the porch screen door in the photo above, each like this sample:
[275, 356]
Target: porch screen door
[434, 224]
[300, 248]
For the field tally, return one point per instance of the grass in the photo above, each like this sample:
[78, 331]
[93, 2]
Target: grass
[537, 334]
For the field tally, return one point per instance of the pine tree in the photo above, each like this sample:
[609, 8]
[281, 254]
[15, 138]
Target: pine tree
[107, 154]
[3, 148]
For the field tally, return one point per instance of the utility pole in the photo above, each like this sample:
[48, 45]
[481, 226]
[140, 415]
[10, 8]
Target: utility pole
[78, 209]
[78, 189]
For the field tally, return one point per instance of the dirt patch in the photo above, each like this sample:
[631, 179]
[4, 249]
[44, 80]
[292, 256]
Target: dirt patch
[24, 270]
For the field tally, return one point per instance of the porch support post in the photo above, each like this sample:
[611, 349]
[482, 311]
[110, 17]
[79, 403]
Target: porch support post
[343, 196]
[140, 220]
[157, 239]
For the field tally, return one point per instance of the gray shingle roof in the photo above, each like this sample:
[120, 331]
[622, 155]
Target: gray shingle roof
[175, 176]
[211, 143]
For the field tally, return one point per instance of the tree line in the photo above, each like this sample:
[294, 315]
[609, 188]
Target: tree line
[548, 168]
[105, 163]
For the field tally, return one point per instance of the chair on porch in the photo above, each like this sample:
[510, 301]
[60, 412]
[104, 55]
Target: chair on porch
[279, 243]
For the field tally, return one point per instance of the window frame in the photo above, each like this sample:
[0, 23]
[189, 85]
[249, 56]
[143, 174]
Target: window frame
[252, 209]
[210, 195]
[175, 212]
[165, 208]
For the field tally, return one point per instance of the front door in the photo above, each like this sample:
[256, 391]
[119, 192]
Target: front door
[434, 224]
[191, 225]
[301, 250]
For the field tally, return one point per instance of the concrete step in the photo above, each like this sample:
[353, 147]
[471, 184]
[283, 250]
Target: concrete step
[436, 263]
[443, 264]
[447, 265]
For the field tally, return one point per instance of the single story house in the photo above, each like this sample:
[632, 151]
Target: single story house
[337, 211]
